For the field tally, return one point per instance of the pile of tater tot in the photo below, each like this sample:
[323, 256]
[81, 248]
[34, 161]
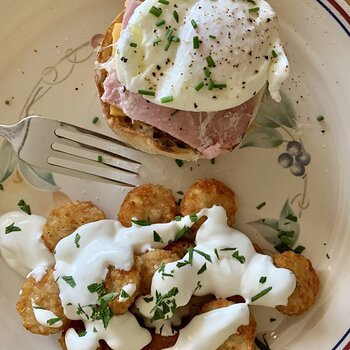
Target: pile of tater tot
[157, 205]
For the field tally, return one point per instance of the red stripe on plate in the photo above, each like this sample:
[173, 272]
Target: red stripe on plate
[341, 11]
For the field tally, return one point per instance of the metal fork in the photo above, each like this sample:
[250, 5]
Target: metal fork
[70, 150]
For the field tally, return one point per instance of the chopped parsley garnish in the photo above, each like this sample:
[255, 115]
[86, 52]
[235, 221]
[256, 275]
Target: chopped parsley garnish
[99, 159]
[98, 288]
[164, 304]
[210, 61]
[146, 92]
[217, 253]
[69, 280]
[261, 294]
[94, 120]
[196, 42]
[254, 10]
[82, 333]
[202, 269]
[133, 44]
[199, 286]
[179, 162]
[193, 217]
[181, 233]
[282, 247]
[204, 255]
[299, 249]
[52, 321]
[194, 24]
[155, 11]
[263, 279]
[182, 264]
[238, 257]
[198, 85]
[164, 2]
[167, 99]
[159, 24]
[176, 16]
[142, 222]
[94, 330]
[274, 54]
[320, 118]
[261, 205]
[124, 294]
[76, 240]
[24, 207]
[148, 299]
[11, 228]
[156, 237]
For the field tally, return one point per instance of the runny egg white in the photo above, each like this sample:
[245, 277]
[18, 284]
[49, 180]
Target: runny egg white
[201, 55]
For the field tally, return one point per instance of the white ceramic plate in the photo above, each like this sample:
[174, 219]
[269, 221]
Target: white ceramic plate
[46, 68]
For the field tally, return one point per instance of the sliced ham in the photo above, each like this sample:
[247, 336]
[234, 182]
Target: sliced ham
[212, 133]
[131, 6]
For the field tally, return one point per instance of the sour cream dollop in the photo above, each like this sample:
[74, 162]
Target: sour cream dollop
[201, 55]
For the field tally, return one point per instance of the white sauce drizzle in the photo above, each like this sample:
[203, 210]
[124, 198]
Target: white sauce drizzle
[24, 250]
[38, 273]
[43, 316]
[129, 289]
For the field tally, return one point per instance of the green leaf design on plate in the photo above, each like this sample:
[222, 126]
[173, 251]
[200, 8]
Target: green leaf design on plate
[8, 160]
[37, 177]
[274, 115]
[268, 228]
[284, 230]
[263, 138]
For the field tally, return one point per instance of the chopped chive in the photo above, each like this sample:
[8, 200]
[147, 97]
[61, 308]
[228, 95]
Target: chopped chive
[76, 240]
[299, 249]
[99, 159]
[167, 99]
[156, 237]
[164, 2]
[252, 2]
[238, 257]
[212, 36]
[177, 218]
[148, 299]
[175, 39]
[155, 11]
[254, 10]
[133, 44]
[168, 45]
[181, 233]
[147, 92]
[210, 61]
[262, 279]
[52, 321]
[194, 24]
[160, 22]
[193, 217]
[11, 228]
[199, 85]
[261, 294]
[320, 118]
[227, 249]
[204, 255]
[95, 120]
[176, 16]
[202, 269]
[69, 280]
[124, 294]
[182, 264]
[169, 33]
[156, 42]
[179, 162]
[282, 247]
[211, 85]
[196, 42]
[261, 205]
[24, 207]
[217, 253]
[94, 330]
[180, 193]
[220, 86]
[141, 222]
[82, 333]
[207, 72]
[274, 54]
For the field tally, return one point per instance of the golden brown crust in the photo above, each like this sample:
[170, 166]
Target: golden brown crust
[205, 193]
[244, 338]
[150, 262]
[138, 134]
[160, 342]
[307, 282]
[64, 220]
[117, 279]
[148, 202]
[45, 294]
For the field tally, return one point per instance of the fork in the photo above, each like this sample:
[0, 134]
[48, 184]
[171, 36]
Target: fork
[74, 151]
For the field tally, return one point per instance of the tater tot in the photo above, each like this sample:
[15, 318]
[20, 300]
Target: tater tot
[148, 202]
[307, 286]
[160, 342]
[116, 280]
[244, 338]
[150, 263]
[64, 220]
[205, 193]
[45, 294]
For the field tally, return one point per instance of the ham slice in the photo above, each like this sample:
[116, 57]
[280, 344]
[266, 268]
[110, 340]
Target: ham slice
[213, 133]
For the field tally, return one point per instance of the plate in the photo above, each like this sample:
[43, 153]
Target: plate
[47, 70]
